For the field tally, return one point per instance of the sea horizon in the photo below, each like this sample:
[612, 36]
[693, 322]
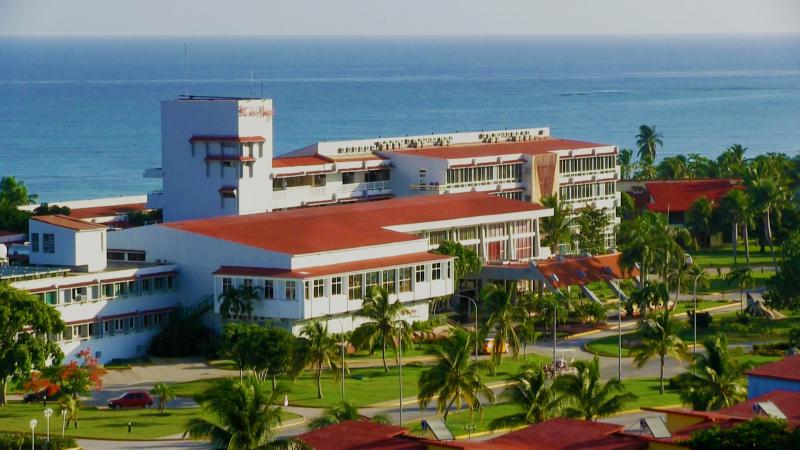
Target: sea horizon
[80, 115]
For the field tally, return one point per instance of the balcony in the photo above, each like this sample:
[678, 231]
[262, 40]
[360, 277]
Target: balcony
[299, 196]
[467, 186]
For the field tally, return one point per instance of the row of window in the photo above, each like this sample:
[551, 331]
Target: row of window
[498, 173]
[588, 190]
[587, 164]
[492, 230]
[107, 291]
[111, 327]
[395, 281]
[283, 183]
[48, 243]
[126, 255]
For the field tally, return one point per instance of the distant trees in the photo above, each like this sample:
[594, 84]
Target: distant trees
[699, 221]
[535, 397]
[318, 349]
[163, 393]
[758, 432]
[238, 302]
[341, 412]
[736, 209]
[267, 351]
[504, 313]
[647, 142]
[25, 321]
[14, 193]
[741, 278]
[593, 224]
[782, 289]
[557, 229]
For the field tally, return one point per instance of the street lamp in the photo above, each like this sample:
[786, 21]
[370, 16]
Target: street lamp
[47, 413]
[472, 300]
[610, 278]
[33, 423]
[63, 421]
[554, 279]
[341, 333]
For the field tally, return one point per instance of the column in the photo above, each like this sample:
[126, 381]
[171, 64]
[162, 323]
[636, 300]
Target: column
[536, 239]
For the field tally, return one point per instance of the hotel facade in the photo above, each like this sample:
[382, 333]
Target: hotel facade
[236, 215]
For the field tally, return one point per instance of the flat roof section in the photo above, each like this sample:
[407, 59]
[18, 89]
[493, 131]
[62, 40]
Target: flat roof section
[501, 148]
[19, 273]
[339, 227]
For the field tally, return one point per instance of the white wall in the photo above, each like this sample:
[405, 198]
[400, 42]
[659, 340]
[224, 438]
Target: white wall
[190, 191]
[406, 172]
[72, 248]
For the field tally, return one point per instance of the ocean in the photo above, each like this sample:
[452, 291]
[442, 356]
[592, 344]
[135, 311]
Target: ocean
[79, 118]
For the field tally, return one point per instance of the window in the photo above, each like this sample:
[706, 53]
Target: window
[373, 278]
[248, 283]
[291, 290]
[158, 319]
[136, 256]
[50, 297]
[467, 233]
[495, 230]
[158, 283]
[354, 286]
[306, 291]
[420, 274]
[35, 242]
[119, 325]
[336, 286]
[523, 248]
[170, 282]
[269, 289]
[437, 237]
[319, 288]
[404, 279]
[348, 178]
[116, 256]
[48, 243]
[436, 271]
[131, 323]
[227, 284]
[107, 327]
[147, 321]
[389, 278]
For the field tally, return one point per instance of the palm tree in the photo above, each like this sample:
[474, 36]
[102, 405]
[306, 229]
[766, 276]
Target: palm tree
[238, 302]
[557, 229]
[769, 194]
[732, 162]
[14, 193]
[647, 141]
[736, 207]
[673, 168]
[164, 393]
[699, 221]
[502, 320]
[385, 327]
[532, 394]
[320, 351]
[659, 338]
[683, 276]
[244, 416]
[584, 396]
[741, 278]
[647, 171]
[716, 379]
[652, 294]
[625, 161]
[454, 378]
[341, 412]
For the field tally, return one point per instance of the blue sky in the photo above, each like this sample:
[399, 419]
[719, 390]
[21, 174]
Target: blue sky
[397, 17]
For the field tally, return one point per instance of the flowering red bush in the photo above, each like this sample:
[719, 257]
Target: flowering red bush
[73, 379]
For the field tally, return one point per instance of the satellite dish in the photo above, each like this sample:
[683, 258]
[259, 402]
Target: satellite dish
[3, 251]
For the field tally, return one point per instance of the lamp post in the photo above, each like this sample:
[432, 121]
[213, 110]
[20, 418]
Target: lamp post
[472, 300]
[341, 333]
[33, 423]
[47, 413]
[400, 374]
[554, 279]
[688, 260]
[63, 421]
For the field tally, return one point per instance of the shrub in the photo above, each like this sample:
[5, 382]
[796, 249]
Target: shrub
[794, 337]
[743, 318]
[770, 349]
[704, 319]
[15, 441]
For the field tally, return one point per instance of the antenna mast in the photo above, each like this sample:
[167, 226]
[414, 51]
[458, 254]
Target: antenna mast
[186, 65]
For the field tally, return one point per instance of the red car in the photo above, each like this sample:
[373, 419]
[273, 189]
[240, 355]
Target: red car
[131, 399]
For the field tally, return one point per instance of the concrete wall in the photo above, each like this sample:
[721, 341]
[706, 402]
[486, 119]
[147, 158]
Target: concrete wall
[72, 248]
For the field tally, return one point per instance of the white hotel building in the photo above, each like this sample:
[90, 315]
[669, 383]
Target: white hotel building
[237, 215]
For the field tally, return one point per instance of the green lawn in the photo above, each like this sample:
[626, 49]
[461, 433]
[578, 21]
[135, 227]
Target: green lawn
[363, 386]
[723, 256]
[683, 306]
[646, 389]
[716, 284]
[759, 330]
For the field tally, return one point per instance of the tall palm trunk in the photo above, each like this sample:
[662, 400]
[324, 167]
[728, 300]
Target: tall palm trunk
[319, 380]
[3, 386]
[734, 238]
[450, 405]
[383, 356]
[768, 236]
[661, 380]
[746, 236]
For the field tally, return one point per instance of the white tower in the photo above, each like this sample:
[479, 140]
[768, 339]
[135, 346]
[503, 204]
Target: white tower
[216, 156]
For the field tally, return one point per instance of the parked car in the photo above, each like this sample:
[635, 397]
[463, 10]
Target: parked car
[48, 393]
[131, 399]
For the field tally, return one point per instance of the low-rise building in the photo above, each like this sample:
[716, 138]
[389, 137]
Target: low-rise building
[779, 375]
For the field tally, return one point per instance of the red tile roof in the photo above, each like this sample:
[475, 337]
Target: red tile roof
[787, 402]
[68, 222]
[296, 161]
[352, 435]
[239, 139]
[339, 227]
[105, 211]
[678, 195]
[501, 148]
[318, 271]
[572, 271]
[786, 369]
[567, 434]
